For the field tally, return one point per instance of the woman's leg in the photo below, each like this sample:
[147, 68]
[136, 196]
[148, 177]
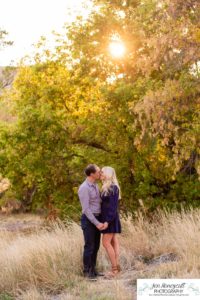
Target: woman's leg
[106, 241]
[115, 244]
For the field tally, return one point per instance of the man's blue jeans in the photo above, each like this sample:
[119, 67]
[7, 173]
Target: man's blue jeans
[92, 237]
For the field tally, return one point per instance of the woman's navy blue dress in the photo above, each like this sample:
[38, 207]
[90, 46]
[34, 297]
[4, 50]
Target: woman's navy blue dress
[109, 211]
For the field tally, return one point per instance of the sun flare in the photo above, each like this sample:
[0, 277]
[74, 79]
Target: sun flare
[117, 49]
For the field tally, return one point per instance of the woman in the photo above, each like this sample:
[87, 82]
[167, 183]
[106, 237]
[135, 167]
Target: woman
[110, 195]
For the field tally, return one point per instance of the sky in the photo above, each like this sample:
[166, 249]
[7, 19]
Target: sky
[27, 20]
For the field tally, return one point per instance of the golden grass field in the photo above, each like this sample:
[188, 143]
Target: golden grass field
[45, 263]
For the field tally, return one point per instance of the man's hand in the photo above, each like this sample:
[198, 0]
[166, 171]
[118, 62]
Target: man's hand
[100, 226]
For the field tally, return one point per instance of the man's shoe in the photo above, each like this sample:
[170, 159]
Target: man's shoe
[90, 276]
[99, 273]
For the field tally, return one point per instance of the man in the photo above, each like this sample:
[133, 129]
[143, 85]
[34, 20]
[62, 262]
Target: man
[90, 199]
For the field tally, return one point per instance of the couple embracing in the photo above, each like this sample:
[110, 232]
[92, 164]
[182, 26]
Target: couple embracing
[100, 217]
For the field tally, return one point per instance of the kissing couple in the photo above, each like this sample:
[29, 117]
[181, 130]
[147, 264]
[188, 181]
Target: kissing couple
[100, 217]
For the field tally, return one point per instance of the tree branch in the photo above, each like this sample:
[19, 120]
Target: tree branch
[91, 144]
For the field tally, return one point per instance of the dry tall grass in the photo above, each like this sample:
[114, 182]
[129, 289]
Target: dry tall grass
[49, 261]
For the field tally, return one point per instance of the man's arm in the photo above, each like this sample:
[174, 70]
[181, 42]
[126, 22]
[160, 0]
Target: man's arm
[84, 197]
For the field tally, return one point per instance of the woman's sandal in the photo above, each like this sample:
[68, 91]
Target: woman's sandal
[119, 268]
[115, 271]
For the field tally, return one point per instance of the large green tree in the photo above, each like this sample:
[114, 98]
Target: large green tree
[139, 112]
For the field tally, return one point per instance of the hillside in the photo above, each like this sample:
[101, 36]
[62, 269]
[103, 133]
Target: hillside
[7, 75]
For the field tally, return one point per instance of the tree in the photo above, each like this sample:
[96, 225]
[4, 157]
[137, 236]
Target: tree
[138, 113]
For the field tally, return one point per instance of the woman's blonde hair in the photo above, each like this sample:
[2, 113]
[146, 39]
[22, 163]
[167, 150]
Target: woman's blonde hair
[111, 178]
